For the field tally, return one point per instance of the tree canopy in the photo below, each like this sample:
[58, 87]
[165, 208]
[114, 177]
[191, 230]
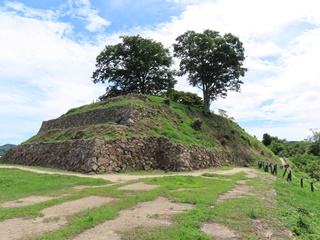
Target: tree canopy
[266, 139]
[314, 147]
[136, 65]
[213, 62]
[186, 98]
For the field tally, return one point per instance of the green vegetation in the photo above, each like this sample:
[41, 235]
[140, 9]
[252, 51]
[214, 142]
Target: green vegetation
[186, 98]
[213, 62]
[136, 65]
[103, 105]
[16, 183]
[299, 207]
[304, 154]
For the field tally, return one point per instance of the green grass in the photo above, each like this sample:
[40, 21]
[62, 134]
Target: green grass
[15, 183]
[299, 207]
[102, 105]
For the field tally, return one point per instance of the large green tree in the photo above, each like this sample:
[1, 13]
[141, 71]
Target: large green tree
[213, 62]
[137, 65]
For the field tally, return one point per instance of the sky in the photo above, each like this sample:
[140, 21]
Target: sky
[48, 51]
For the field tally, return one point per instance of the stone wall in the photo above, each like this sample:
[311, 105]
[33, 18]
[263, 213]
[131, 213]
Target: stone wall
[125, 114]
[114, 155]
[66, 155]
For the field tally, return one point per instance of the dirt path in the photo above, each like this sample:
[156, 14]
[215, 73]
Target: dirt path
[283, 161]
[121, 177]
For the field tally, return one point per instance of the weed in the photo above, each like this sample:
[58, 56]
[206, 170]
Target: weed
[252, 214]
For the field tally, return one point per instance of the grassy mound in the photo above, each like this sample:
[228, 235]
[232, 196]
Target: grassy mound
[180, 123]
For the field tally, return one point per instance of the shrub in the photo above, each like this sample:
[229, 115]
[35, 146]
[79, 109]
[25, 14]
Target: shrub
[196, 125]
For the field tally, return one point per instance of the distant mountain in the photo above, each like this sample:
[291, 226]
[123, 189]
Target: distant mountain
[6, 147]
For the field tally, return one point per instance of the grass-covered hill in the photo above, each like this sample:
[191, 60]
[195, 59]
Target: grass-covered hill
[180, 123]
[6, 147]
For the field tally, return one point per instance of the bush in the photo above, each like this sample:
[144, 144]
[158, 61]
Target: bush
[196, 125]
[185, 98]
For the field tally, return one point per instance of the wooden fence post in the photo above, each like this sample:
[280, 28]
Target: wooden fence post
[289, 178]
[275, 167]
[312, 187]
[285, 171]
[301, 182]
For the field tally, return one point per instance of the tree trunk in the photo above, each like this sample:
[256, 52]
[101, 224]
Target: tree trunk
[206, 99]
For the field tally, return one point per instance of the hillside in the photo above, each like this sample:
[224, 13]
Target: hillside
[143, 132]
[6, 147]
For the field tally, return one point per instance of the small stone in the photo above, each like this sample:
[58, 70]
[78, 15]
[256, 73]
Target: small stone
[103, 160]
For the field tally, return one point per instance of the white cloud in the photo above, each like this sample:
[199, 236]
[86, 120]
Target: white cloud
[43, 73]
[20, 8]
[82, 9]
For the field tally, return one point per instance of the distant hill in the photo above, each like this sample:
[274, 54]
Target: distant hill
[6, 147]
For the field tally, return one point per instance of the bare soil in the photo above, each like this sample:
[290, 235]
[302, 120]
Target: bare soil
[219, 231]
[26, 201]
[138, 186]
[53, 218]
[146, 214]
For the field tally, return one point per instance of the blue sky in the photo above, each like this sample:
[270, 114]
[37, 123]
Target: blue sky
[48, 51]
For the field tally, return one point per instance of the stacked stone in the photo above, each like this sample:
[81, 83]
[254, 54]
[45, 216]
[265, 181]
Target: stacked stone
[114, 155]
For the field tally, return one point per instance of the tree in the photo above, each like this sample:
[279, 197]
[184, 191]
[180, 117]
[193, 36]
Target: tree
[213, 62]
[314, 142]
[277, 147]
[137, 65]
[266, 139]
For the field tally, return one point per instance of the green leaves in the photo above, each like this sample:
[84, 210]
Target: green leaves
[137, 65]
[213, 62]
